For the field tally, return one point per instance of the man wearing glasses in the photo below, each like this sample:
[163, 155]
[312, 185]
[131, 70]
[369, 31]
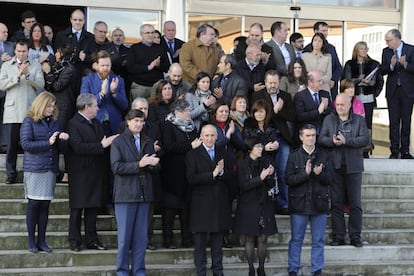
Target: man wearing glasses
[146, 63]
[28, 19]
[398, 64]
[345, 134]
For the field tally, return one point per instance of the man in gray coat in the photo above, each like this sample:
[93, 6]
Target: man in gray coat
[20, 78]
[345, 134]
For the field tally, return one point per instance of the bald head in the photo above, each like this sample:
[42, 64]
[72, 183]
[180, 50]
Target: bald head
[175, 73]
[208, 135]
[4, 32]
[343, 105]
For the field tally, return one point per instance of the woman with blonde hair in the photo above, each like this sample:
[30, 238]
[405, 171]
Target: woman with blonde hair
[41, 140]
[362, 70]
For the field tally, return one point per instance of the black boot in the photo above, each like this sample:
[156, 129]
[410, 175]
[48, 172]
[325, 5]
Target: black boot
[43, 219]
[32, 214]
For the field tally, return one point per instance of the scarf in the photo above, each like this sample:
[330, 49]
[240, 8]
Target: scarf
[183, 125]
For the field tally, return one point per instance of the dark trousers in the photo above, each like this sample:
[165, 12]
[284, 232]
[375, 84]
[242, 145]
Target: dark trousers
[400, 108]
[12, 148]
[168, 218]
[200, 256]
[75, 219]
[346, 186]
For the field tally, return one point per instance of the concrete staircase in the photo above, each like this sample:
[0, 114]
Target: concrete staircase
[388, 234]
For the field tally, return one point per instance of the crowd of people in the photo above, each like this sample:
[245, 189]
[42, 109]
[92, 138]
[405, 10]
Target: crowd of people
[264, 125]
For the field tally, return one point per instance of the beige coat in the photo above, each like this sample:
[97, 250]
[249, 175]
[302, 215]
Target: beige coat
[19, 93]
[195, 57]
[321, 63]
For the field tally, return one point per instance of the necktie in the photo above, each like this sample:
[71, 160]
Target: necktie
[211, 153]
[397, 68]
[78, 35]
[316, 98]
[298, 54]
[138, 144]
[170, 46]
[1, 49]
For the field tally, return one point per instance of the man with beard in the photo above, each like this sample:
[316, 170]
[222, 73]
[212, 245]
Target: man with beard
[296, 40]
[109, 90]
[283, 111]
[175, 76]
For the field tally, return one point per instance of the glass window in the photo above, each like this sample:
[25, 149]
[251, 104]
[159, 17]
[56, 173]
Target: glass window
[128, 20]
[361, 3]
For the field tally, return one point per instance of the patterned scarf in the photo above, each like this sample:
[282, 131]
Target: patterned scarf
[183, 125]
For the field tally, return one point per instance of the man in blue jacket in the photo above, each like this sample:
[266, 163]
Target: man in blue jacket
[109, 90]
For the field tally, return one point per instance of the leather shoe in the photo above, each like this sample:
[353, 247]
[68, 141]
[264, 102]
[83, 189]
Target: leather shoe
[293, 273]
[150, 246]
[317, 273]
[44, 248]
[10, 180]
[357, 243]
[226, 242]
[75, 248]
[394, 156]
[336, 243]
[406, 155]
[33, 249]
[97, 246]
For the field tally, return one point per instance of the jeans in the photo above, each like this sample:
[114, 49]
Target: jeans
[281, 161]
[298, 227]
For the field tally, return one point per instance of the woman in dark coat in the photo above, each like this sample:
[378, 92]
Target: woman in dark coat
[60, 80]
[161, 106]
[41, 138]
[179, 136]
[260, 126]
[255, 212]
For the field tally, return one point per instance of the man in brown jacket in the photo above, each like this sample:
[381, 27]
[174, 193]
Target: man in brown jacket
[199, 54]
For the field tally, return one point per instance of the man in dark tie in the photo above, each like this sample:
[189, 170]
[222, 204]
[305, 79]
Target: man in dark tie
[312, 104]
[210, 211]
[170, 42]
[398, 64]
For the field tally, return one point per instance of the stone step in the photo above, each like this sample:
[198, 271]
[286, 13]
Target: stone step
[60, 223]
[275, 254]
[16, 207]
[331, 268]
[369, 191]
[58, 240]
[56, 223]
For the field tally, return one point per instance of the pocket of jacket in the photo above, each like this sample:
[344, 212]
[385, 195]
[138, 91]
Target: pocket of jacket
[9, 102]
[297, 202]
[321, 203]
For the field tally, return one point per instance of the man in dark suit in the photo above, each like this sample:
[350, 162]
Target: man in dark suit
[312, 104]
[283, 52]
[120, 68]
[6, 53]
[283, 112]
[322, 27]
[77, 37]
[398, 64]
[171, 44]
[210, 211]
[229, 83]
[86, 161]
[28, 19]
[256, 37]
[252, 70]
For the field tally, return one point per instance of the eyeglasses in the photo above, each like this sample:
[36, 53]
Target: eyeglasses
[147, 33]
[389, 40]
